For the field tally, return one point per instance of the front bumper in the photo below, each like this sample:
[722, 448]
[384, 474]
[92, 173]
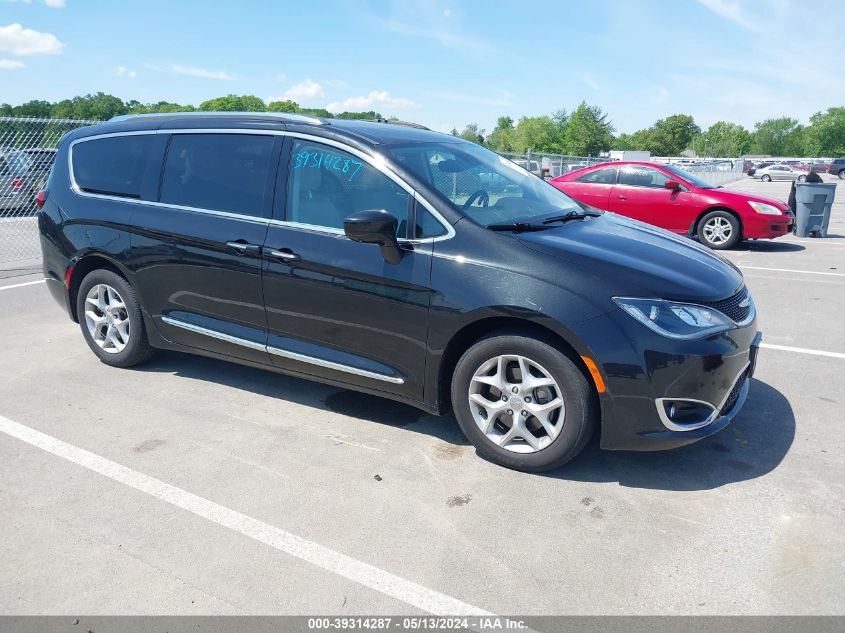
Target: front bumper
[646, 373]
[759, 226]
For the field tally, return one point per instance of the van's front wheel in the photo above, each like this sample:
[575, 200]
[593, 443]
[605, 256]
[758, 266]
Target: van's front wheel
[522, 403]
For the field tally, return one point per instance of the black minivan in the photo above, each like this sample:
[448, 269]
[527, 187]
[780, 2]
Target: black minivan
[390, 259]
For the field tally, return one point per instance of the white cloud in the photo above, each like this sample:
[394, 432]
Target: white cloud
[591, 81]
[730, 10]
[11, 64]
[14, 38]
[193, 71]
[660, 96]
[123, 71]
[376, 99]
[56, 4]
[307, 89]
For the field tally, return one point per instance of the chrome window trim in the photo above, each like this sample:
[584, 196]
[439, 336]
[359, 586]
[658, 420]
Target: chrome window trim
[311, 360]
[717, 410]
[369, 159]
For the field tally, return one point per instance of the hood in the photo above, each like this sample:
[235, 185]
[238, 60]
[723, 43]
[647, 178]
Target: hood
[632, 258]
[738, 199]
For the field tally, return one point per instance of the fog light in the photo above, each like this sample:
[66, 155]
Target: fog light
[684, 415]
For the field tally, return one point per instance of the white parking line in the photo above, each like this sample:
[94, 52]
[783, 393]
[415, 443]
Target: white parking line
[27, 283]
[803, 350]
[362, 573]
[791, 270]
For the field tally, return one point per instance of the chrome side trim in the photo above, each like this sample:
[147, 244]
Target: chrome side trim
[376, 161]
[336, 366]
[717, 410]
[214, 334]
[311, 360]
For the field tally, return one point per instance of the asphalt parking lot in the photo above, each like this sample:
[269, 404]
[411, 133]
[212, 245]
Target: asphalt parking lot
[281, 496]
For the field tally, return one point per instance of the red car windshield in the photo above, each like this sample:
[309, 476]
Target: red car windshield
[693, 180]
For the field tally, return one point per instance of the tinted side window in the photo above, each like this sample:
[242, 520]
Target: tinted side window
[327, 184]
[427, 225]
[642, 176]
[220, 172]
[113, 165]
[606, 176]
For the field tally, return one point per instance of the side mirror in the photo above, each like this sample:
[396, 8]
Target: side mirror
[375, 227]
[672, 184]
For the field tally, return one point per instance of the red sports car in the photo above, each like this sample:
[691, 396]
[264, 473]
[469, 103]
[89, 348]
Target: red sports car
[672, 199]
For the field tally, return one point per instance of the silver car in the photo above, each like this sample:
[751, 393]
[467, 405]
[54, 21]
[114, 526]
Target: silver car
[17, 184]
[779, 172]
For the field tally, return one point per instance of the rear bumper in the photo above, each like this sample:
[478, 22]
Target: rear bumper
[644, 371]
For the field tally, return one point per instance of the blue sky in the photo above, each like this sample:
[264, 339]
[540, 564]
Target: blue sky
[441, 63]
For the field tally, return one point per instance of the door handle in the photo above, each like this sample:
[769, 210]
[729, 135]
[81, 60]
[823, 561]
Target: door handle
[621, 197]
[244, 247]
[285, 254]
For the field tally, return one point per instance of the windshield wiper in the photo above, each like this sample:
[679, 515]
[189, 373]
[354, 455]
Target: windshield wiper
[572, 215]
[517, 227]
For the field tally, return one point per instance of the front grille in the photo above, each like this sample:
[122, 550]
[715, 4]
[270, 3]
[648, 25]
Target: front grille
[731, 307]
[733, 396]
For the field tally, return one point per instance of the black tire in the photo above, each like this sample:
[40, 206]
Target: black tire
[766, 178]
[581, 409]
[802, 178]
[138, 348]
[842, 173]
[733, 239]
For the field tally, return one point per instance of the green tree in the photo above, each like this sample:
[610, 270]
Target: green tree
[283, 106]
[826, 134]
[472, 133]
[234, 103]
[586, 131]
[778, 137]
[538, 133]
[723, 138]
[672, 135]
[32, 108]
[501, 139]
[370, 115]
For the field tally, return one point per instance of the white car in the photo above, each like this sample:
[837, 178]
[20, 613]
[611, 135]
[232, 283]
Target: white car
[779, 172]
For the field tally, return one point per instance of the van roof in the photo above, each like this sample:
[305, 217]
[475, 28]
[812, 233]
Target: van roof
[381, 131]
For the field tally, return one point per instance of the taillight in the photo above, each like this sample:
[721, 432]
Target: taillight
[40, 199]
[17, 183]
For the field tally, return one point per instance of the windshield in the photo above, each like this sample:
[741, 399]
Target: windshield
[482, 185]
[694, 180]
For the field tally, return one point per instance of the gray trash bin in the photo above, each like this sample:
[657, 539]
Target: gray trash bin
[813, 202]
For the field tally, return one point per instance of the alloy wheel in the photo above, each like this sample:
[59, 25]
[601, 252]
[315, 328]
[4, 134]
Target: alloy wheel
[516, 403]
[717, 230]
[107, 318]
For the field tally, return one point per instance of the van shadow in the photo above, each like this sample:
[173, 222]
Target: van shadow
[768, 246]
[752, 446]
[271, 384]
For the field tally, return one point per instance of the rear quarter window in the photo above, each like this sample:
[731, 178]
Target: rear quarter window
[113, 165]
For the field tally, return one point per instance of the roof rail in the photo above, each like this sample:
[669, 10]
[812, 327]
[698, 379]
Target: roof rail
[405, 123]
[282, 116]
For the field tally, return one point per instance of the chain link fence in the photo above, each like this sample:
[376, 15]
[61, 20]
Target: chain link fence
[27, 152]
[716, 171]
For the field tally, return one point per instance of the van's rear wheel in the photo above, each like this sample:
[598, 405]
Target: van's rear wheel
[110, 319]
[522, 403]
[719, 230]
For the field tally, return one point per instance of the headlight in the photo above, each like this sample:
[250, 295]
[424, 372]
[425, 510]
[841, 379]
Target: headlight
[765, 209]
[675, 320]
